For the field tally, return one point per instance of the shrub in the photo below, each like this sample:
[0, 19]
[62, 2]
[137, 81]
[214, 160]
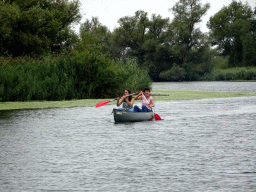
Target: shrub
[176, 73]
[241, 73]
[220, 62]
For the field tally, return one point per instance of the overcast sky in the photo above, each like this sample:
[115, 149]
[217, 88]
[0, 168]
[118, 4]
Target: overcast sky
[109, 11]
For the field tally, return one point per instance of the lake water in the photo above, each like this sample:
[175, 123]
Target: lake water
[208, 86]
[201, 145]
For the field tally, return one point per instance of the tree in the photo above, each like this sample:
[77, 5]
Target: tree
[140, 37]
[131, 34]
[101, 33]
[187, 13]
[233, 30]
[36, 26]
[188, 46]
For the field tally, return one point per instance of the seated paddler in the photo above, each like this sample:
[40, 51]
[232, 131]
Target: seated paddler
[127, 100]
[147, 101]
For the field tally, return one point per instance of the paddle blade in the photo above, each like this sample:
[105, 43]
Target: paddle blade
[157, 117]
[102, 103]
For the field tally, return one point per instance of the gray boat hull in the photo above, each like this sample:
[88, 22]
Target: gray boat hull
[125, 116]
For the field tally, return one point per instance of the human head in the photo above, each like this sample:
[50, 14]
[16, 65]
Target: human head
[127, 91]
[146, 89]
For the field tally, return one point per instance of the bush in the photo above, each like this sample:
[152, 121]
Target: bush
[176, 73]
[197, 63]
[195, 71]
[220, 62]
[241, 73]
[188, 72]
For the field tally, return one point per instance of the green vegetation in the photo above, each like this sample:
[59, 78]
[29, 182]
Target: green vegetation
[35, 27]
[177, 50]
[231, 74]
[233, 29]
[41, 58]
[75, 76]
[198, 63]
[132, 76]
[159, 45]
[81, 73]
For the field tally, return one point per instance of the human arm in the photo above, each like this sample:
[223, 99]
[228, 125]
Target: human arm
[119, 102]
[138, 97]
[152, 103]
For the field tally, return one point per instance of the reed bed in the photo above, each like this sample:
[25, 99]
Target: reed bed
[64, 77]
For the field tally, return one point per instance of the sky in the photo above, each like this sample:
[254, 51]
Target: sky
[109, 11]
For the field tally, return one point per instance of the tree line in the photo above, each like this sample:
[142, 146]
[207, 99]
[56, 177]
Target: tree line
[177, 49]
[102, 62]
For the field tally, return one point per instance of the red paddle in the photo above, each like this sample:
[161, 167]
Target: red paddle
[157, 117]
[106, 102]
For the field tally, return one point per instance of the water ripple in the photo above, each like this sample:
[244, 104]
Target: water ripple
[201, 145]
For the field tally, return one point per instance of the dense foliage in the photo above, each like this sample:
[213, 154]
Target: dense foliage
[231, 74]
[233, 29]
[33, 27]
[41, 58]
[156, 43]
[81, 74]
[187, 13]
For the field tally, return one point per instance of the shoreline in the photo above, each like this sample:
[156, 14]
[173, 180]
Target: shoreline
[167, 95]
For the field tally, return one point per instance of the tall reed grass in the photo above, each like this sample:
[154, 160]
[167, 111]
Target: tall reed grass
[67, 77]
[24, 79]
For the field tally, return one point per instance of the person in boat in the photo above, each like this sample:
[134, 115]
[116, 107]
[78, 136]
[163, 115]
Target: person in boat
[147, 101]
[127, 101]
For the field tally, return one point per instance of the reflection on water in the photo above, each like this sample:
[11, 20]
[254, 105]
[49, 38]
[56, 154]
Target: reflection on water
[201, 145]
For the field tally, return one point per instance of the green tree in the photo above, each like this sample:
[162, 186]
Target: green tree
[102, 34]
[93, 75]
[131, 34]
[92, 25]
[187, 13]
[37, 26]
[233, 30]
[140, 37]
[157, 52]
[188, 48]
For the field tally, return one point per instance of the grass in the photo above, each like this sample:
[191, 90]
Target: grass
[172, 96]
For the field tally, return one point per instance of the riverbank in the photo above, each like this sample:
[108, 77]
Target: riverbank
[167, 95]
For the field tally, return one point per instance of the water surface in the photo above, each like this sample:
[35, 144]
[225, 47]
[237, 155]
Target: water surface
[201, 145]
[208, 86]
